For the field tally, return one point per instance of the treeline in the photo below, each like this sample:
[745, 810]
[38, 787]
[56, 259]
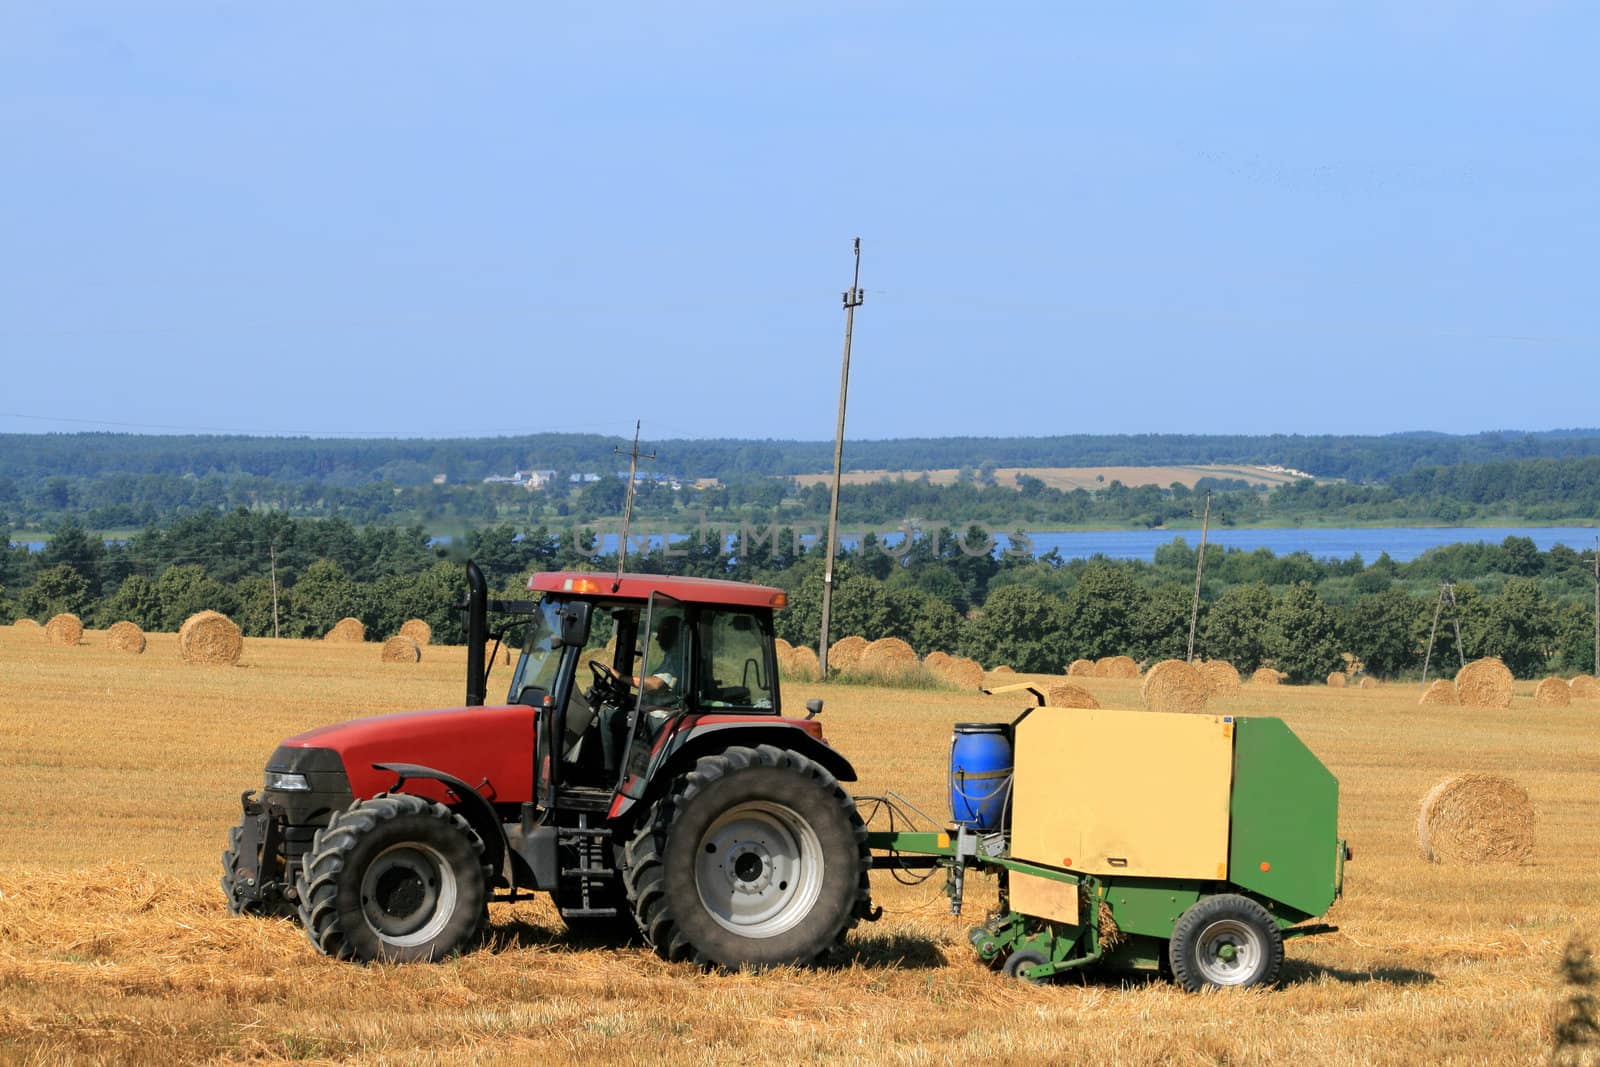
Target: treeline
[31, 459]
[939, 591]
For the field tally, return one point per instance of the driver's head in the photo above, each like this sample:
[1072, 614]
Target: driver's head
[667, 632]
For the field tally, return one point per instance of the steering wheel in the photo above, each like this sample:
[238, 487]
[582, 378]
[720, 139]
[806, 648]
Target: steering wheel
[608, 686]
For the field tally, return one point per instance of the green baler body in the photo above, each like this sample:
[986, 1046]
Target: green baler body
[1284, 815]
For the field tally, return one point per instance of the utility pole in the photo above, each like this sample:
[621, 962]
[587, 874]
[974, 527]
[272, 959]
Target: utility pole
[1199, 568]
[1597, 607]
[852, 300]
[1447, 592]
[272, 555]
[627, 512]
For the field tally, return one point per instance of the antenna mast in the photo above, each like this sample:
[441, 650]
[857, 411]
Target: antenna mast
[634, 456]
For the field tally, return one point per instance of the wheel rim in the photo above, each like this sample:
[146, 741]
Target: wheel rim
[408, 894]
[758, 869]
[1228, 952]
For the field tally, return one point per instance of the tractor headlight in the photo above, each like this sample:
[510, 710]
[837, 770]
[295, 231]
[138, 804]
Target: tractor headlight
[285, 782]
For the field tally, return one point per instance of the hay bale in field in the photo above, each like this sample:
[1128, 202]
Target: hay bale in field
[1219, 675]
[1476, 818]
[887, 653]
[1173, 685]
[781, 647]
[500, 657]
[1264, 676]
[1584, 687]
[1117, 667]
[125, 636]
[958, 671]
[347, 629]
[1440, 691]
[802, 664]
[25, 623]
[1081, 668]
[1484, 683]
[64, 629]
[418, 630]
[209, 637]
[1070, 696]
[1002, 669]
[934, 660]
[401, 649]
[1336, 680]
[1368, 682]
[846, 652]
[1552, 693]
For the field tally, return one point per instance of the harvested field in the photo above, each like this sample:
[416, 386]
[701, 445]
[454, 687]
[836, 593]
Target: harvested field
[125, 637]
[137, 961]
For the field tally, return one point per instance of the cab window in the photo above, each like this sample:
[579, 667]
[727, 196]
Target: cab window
[734, 672]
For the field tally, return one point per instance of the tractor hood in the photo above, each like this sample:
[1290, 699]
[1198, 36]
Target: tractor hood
[487, 747]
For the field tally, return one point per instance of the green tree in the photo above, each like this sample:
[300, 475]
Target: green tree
[1161, 623]
[1020, 626]
[1381, 631]
[55, 590]
[1099, 618]
[136, 600]
[1302, 635]
[323, 595]
[1235, 626]
[186, 589]
[1521, 628]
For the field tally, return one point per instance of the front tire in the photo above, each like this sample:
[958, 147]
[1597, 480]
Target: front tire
[756, 858]
[395, 878]
[272, 904]
[1225, 940]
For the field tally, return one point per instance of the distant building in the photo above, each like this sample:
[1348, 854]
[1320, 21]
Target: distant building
[583, 479]
[439, 479]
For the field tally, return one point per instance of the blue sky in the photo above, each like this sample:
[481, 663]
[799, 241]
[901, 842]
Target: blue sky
[440, 219]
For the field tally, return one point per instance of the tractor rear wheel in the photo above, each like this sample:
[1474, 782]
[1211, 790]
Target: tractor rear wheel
[396, 878]
[271, 906]
[1225, 940]
[756, 858]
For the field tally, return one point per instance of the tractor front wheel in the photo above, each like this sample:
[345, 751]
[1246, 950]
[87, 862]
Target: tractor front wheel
[269, 903]
[756, 858]
[1225, 940]
[395, 878]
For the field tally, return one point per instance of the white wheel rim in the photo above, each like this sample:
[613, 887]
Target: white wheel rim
[408, 893]
[758, 869]
[1228, 951]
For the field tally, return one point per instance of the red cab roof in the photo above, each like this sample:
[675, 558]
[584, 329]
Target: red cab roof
[640, 586]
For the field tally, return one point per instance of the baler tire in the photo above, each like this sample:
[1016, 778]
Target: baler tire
[1021, 960]
[784, 820]
[385, 851]
[276, 907]
[1223, 941]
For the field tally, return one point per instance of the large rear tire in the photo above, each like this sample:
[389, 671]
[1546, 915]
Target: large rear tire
[395, 878]
[272, 905]
[1225, 940]
[756, 858]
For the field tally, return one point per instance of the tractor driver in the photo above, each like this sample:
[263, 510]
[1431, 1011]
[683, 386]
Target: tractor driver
[663, 685]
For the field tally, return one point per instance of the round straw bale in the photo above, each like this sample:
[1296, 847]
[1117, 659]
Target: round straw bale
[1484, 683]
[1476, 818]
[1070, 696]
[1584, 687]
[64, 629]
[1552, 693]
[1081, 668]
[934, 660]
[25, 623]
[1173, 685]
[846, 652]
[1367, 682]
[888, 652]
[1336, 680]
[1117, 667]
[780, 647]
[1219, 675]
[347, 629]
[209, 637]
[1264, 676]
[418, 630]
[801, 663]
[491, 657]
[125, 637]
[960, 672]
[1002, 669]
[1440, 691]
[401, 649]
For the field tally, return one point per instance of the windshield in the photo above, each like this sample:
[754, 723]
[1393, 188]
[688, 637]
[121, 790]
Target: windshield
[535, 675]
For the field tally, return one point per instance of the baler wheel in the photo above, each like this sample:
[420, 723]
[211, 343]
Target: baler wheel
[397, 878]
[1225, 940]
[1021, 960]
[275, 907]
[756, 858]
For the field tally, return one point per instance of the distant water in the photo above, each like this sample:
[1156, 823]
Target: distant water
[1403, 543]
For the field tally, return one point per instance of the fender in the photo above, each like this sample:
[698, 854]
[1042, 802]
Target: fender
[685, 747]
[478, 812]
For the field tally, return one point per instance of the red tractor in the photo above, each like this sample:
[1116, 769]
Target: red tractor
[641, 772]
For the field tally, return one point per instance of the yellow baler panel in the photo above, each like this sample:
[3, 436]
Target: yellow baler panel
[1123, 792]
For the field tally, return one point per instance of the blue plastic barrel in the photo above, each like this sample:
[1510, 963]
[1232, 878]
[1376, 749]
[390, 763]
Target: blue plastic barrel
[980, 773]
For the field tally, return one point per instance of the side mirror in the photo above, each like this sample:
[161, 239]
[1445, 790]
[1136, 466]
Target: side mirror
[813, 707]
[575, 623]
